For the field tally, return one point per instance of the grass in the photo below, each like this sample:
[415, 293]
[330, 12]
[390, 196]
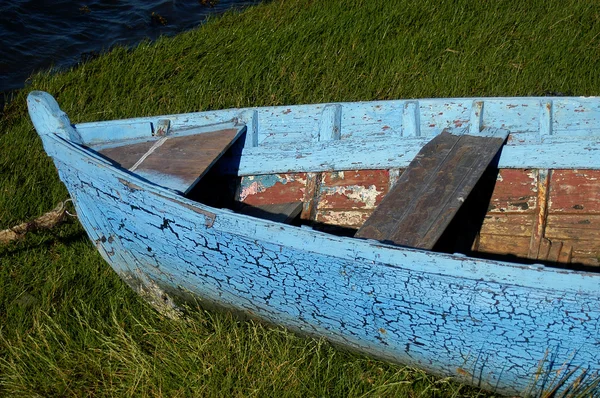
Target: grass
[70, 327]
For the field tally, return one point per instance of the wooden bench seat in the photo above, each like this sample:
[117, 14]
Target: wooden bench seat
[430, 191]
[176, 161]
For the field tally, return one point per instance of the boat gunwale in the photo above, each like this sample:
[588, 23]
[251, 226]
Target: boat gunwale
[178, 116]
[532, 147]
[536, 276]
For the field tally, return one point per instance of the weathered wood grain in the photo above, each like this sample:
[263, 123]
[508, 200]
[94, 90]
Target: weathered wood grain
[514, 192]
[389, 152]
[539, 246]
[574, 213]
[517, 246]
[431, 190]
[509, 224]
[311, 196]
[127, 155]
[343, 218]
[175, 162]
[568, 118]
[549, 134]
[575, 191]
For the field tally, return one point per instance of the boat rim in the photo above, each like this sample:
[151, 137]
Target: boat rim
[455, 265]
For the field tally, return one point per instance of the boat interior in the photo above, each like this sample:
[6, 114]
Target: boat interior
[453, 197]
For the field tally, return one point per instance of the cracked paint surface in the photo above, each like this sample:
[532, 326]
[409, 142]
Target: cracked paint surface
[369, 297]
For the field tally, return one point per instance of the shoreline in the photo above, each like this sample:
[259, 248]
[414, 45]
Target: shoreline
[80, 32]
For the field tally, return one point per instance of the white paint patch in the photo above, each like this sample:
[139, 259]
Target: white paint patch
[343, 218]
[357, 193]
[533, 174]
[337, 174]
[251, 189]
[394, 175]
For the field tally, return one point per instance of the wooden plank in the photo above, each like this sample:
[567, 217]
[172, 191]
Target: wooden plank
[176, 162]
[432, 189]
[411, 124]
[280, 212]
[554, 251]
[519, 115]
[504, 244]
[514, 192]
[356, 189]
[537, 248]
[127, 155]
[272, 189]
[508, 224]
[330, 123]
[311, 195]
[575, 191]
[343, 218]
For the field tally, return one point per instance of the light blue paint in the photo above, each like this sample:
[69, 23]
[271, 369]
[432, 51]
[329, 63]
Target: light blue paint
[440, 312]
[100, 132]
[51, 119]
[330, 123]
[544, 132]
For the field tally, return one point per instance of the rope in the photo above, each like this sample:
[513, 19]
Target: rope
[46, 221]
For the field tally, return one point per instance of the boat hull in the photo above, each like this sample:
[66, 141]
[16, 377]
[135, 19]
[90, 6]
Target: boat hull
[511, 328]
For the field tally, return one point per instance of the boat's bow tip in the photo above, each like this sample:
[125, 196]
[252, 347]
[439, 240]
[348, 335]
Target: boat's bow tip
[47, 117]
[40, 98]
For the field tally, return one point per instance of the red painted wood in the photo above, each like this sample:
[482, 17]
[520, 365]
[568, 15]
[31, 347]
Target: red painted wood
[290, 187]
[351, 190]
[515, 191]
[575, 191]
[379, 178]
[507, 228]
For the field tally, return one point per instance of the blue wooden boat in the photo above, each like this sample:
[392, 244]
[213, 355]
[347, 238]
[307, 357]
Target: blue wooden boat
[290, 214]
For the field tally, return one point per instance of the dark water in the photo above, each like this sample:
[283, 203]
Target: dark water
[37, 34]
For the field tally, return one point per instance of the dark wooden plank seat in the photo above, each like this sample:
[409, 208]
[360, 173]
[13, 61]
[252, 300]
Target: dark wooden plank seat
[179, 161]
[429, 193]
[281, 212]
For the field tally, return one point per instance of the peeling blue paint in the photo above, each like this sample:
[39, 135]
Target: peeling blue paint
[484, 322]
